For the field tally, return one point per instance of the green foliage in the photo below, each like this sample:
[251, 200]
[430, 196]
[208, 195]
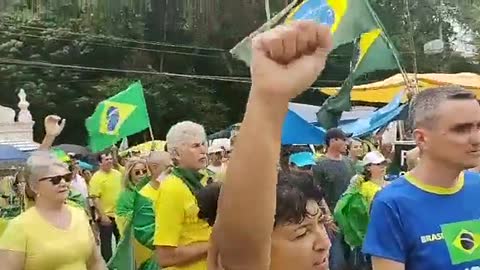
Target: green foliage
[76, 32]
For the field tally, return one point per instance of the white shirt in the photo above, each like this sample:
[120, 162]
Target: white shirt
[79, 184]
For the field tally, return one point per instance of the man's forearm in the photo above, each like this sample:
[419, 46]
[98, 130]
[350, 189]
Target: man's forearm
[253, 164]
[181, 255]
[98, 206]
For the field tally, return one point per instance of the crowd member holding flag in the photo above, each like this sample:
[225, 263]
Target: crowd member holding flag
[286, 61]
[429, 218]
[105, 188]
[181, 238]
[51, 234]
[136, 176]
[138, 207]
[352, 210]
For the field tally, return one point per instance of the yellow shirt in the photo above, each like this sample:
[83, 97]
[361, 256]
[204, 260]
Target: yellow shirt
[176, 218]
[149, 192]
[368, 189]
[121, 169]
[47, 247]
[107, 187]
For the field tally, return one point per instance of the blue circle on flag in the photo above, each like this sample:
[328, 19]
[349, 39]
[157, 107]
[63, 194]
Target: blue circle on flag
[316, 10]
[113, 118]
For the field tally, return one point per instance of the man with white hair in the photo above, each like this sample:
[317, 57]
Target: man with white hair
[181, 238]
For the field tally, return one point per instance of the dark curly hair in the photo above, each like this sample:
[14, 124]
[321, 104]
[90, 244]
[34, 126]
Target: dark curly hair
[294, 190]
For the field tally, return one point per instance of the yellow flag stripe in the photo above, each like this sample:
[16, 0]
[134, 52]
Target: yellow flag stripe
[366, 42]
[340, 8]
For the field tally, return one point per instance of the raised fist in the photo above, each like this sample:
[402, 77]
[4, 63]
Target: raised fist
[54, 125]
[288, 59]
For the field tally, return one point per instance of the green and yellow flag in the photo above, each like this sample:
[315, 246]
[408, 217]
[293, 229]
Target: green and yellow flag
[118, 117]
[375, 53]
[348, 19]
[463, 241]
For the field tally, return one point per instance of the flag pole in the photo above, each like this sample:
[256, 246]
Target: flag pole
[152, 137]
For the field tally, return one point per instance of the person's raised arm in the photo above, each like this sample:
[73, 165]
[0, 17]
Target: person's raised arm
[53, 127]
[286, 61]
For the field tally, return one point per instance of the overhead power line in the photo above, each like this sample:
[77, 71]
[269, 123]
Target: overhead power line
[37, 64]
[115, 46]
[114, 38]
[141, 42]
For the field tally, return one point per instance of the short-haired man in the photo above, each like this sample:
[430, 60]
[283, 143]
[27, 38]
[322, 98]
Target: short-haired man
[105, 188]
[181, 238]
[333, 173]
[430, 219]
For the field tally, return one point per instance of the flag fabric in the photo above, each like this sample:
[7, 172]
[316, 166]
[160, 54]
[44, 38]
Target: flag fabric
[60, 155]
[463, 241]
[296, 130]
[124, 256]
[375, 53]
[118, 117]
[328, 116]
[123, 145]
[243, 50]
[380, 118]
[352, 215]
[348, 19]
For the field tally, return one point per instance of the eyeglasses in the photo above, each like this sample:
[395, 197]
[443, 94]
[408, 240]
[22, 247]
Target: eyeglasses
[140, 172]
[55, 180]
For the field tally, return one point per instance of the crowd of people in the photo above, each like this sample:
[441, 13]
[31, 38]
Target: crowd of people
[247, 202]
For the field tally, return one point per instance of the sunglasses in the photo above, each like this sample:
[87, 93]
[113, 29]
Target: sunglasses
[55, 180]
[140, 172]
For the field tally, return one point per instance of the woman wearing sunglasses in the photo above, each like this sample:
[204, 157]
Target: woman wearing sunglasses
[353, 208]
[51, 234]
[136, 177]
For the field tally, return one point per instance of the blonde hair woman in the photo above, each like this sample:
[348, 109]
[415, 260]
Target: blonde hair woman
[51, 234]
[135, 177]
[143, 216]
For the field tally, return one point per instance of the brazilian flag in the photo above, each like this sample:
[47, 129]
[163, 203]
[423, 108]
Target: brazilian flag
[348, 19]
[375, 52]
[463, 241]
[118, 117]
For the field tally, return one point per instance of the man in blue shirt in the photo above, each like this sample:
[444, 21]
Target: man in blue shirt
[430, 218]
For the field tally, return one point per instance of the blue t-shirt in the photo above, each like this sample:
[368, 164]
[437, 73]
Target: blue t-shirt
[424, 227]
